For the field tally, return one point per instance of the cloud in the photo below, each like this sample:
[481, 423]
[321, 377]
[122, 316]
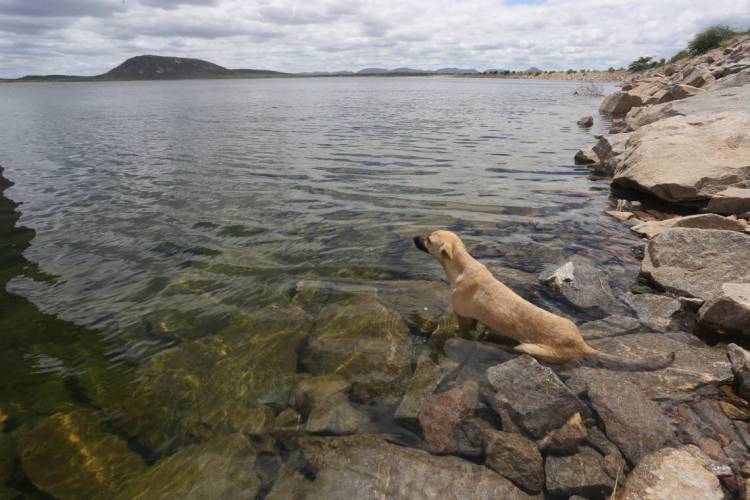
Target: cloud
[91, 36]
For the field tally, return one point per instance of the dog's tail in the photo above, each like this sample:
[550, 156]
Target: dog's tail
[634, 365]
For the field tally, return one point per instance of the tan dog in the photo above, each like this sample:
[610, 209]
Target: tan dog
[477, 296]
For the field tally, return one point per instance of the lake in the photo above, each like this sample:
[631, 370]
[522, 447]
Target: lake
[186, 252]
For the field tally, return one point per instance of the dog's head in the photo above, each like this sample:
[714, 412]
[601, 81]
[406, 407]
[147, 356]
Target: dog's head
[440, 244]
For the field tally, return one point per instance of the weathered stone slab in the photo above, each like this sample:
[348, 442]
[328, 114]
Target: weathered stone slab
[700, 221]
[534, 396]
[687, 158]
[656, 312]
[728, 310]
[696, 262]
[516, 458]
[582, 473]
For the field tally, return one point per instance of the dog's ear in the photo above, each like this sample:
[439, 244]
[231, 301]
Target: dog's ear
[447, 249]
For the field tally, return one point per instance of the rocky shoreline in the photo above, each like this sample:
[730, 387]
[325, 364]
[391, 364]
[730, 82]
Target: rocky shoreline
[371, 394]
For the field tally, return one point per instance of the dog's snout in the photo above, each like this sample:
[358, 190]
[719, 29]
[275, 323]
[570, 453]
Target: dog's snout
[419, 243]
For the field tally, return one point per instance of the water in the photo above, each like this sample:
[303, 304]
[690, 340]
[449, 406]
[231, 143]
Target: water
[159, 215]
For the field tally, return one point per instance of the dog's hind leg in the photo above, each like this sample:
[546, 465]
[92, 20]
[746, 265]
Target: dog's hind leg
[465, 325]
[539, 351]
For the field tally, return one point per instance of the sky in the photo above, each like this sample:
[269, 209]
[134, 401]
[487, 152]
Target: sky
[88, 37]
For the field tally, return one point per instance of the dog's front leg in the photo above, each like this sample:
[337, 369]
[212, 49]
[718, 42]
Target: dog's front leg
[465, 325]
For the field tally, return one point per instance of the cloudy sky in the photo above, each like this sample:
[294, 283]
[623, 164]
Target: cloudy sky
[91, 36]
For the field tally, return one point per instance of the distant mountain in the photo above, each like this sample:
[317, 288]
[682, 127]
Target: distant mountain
[372, 71]
[410, 71]
[533, 70]
[455, 71]
[258, 72]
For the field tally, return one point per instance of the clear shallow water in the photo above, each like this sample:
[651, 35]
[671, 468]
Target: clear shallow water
[163, 211]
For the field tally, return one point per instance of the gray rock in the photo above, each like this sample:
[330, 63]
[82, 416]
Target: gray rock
[740, 360]
[631, 421]
[677, 92]
[657, 312]
[614, 463]
[695, 364]
[566, 439]
[611, 326]
[367, 467]
[673, 473]
[313, 391]
[586, 157]
[732, 200]
[609, 150]
[696, 262]
[584, 285]
[738, 79]
[700, 221]
[534, 396]
[427, 377]
[729, 310]
[619, 103]
[516, 458]
[582, 473]
[687, 158]
[698, 77]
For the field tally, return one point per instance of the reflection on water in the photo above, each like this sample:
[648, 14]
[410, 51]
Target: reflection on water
[188, 253]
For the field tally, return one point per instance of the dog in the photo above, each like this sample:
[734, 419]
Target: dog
[477, 296]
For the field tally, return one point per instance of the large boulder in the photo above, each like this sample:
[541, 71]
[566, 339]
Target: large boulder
[619, 103]
[584, 285]
[740, 360]
[68, 456]
[609, 150]
[696, 262]
[728, 310]
[427, 377]
[534, 397]
[582, 474]
[698, 77]
[695, 365]
[367, 467]
[673, 473]
[631, 421]
[738, 79]
[677, 92]
[365, 342]
[224, 467]
[700, 221]
[687, 158]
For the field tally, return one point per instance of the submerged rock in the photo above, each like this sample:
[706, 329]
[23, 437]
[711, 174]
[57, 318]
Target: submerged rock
[224, 467]
[213, 385]
[635, 424]
[66, 455]
[367, 467]
[657, 312]
[534, 396]
[611, 326]
[472, 359]
[422, 304]
[325, 402]
[673, 473]
[696, 262]
[584, 285]
[687, 158]
[366, 343]
[582, 473]
[586, 121]
[729, 310]
[442, 415]
[516, 458]
[427, 377]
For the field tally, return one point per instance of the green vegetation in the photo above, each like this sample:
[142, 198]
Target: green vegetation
[709, 39]
[683, 54]
[643, 63]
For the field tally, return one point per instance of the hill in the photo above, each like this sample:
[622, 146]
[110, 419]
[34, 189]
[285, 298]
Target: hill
[150, 67]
